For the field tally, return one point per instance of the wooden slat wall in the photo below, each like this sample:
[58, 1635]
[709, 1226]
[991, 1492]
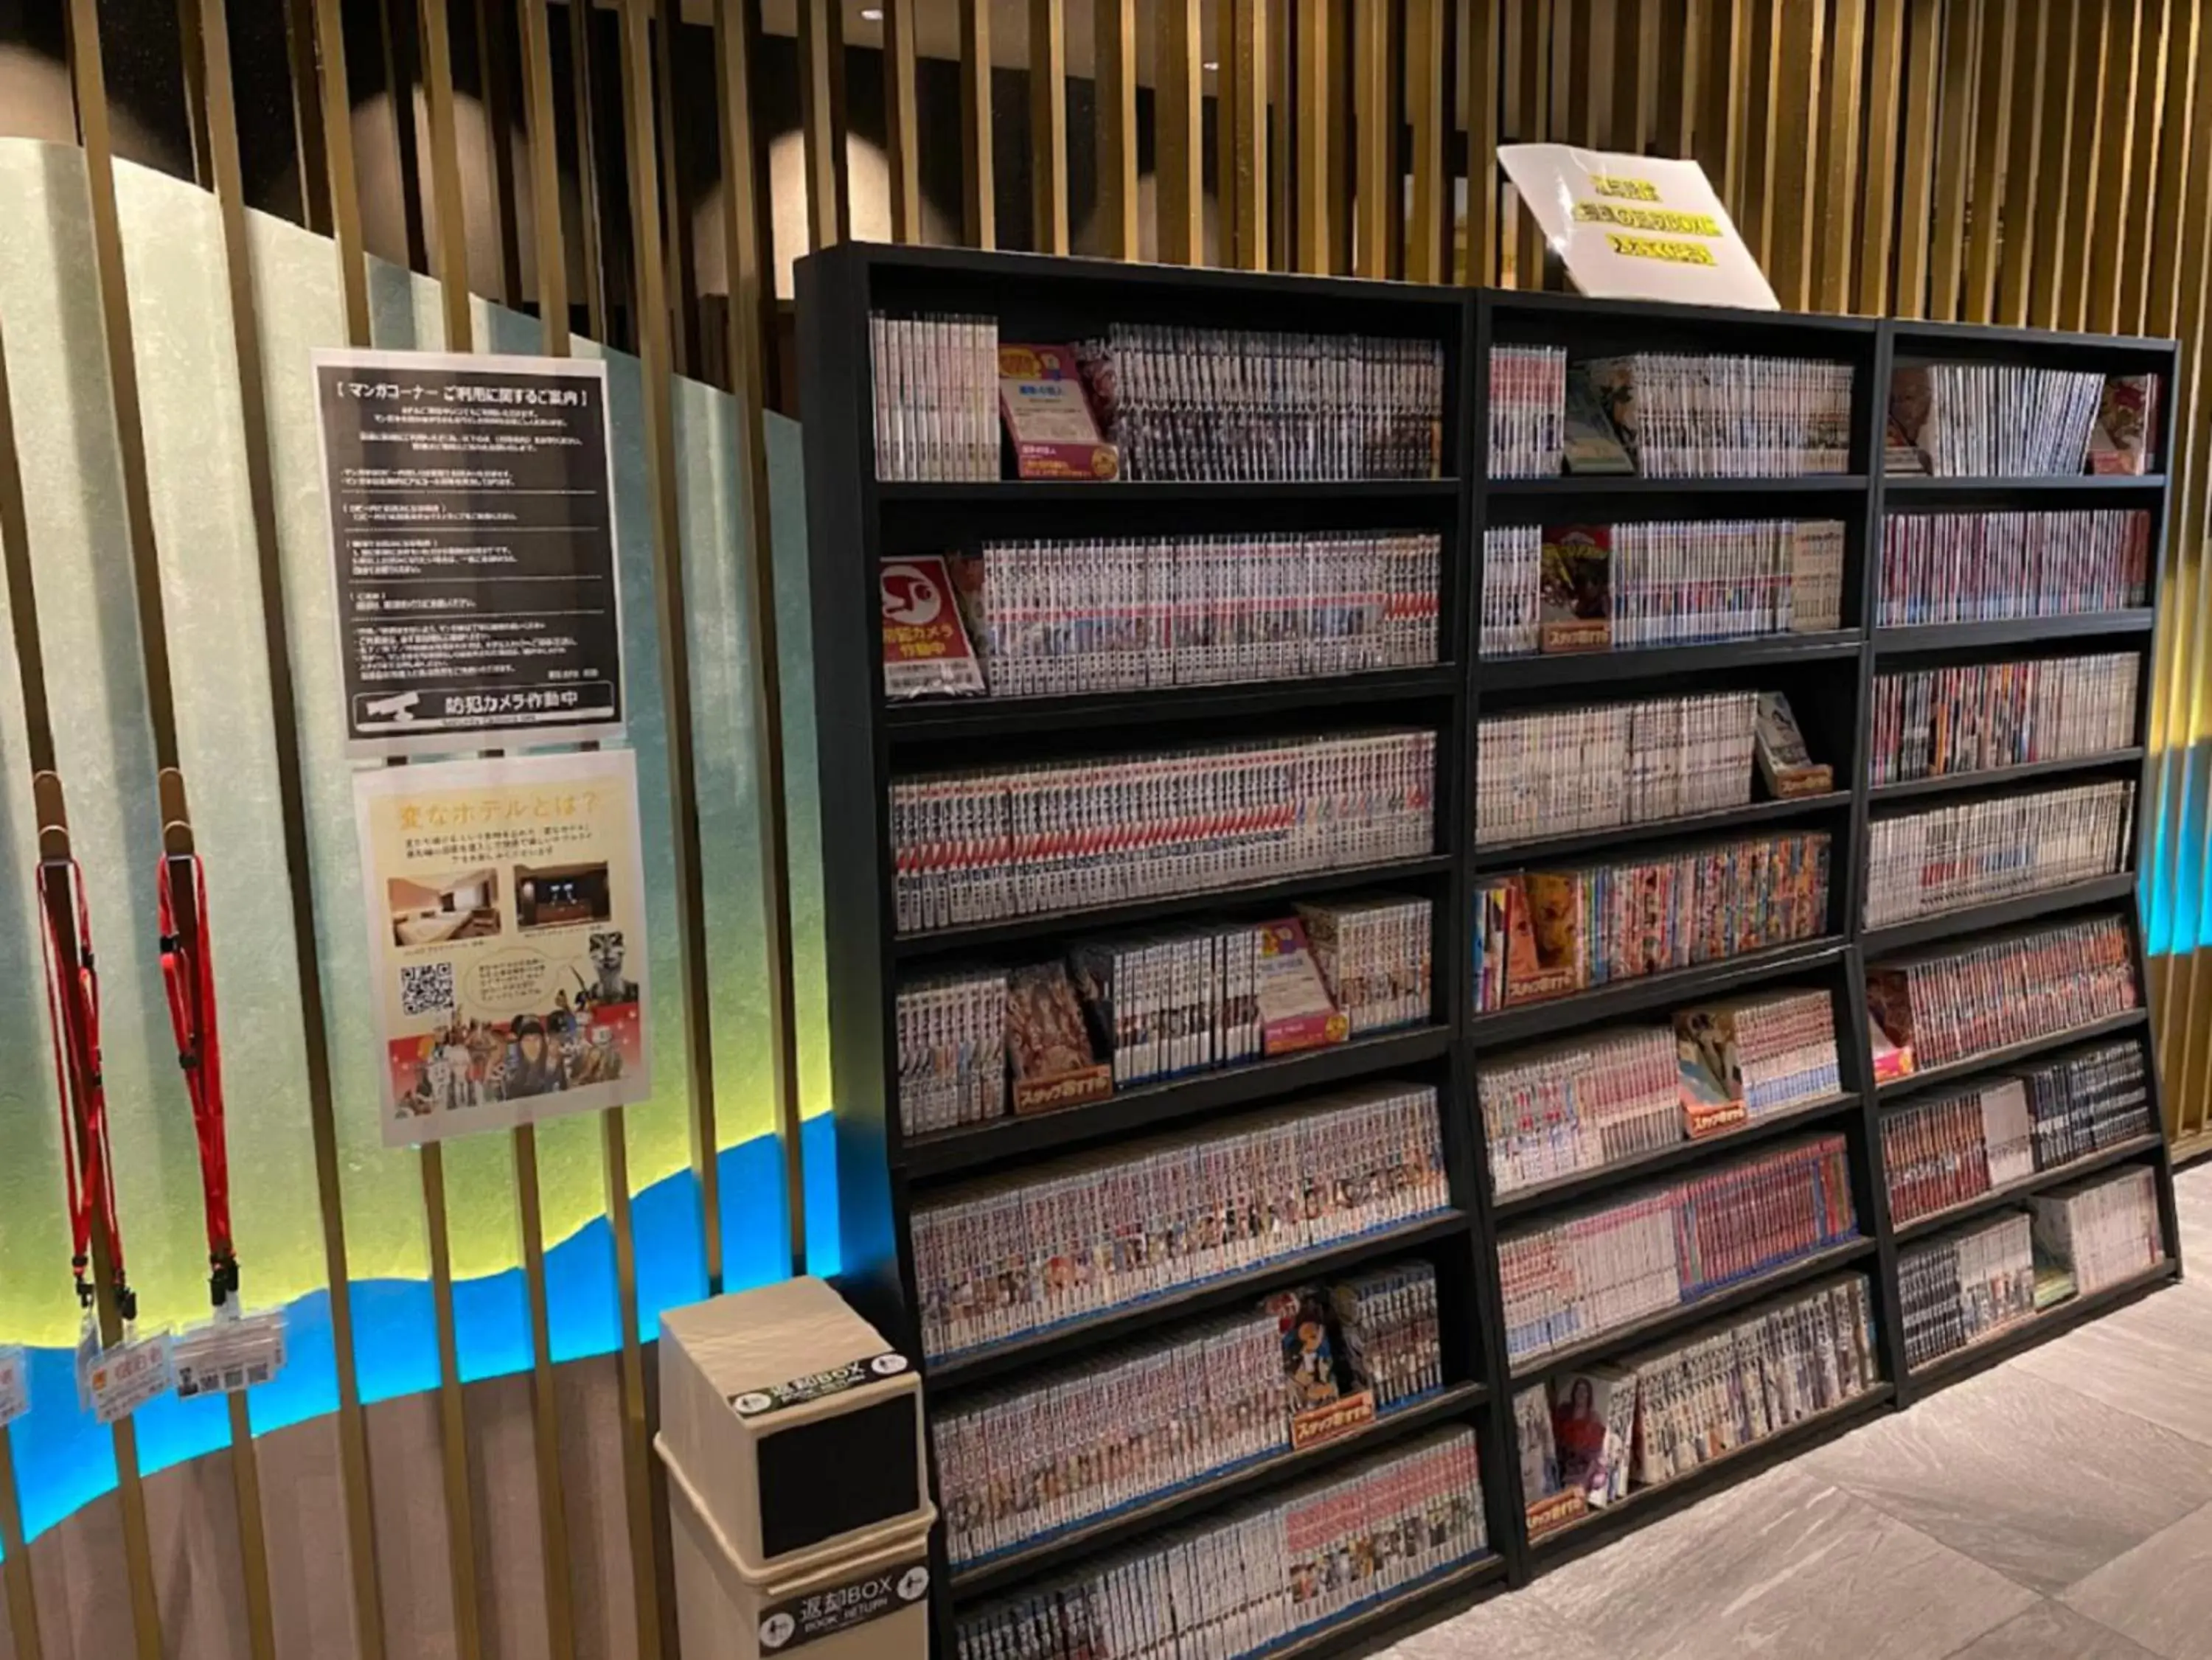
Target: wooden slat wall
[2036, 161]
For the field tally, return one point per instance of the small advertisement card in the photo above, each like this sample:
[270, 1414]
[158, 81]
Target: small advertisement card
[232, 1353]
[927, 651]
[1048, 416]
[122, 1379]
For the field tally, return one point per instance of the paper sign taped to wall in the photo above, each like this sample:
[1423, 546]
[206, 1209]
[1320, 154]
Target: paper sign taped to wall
[1636, 227]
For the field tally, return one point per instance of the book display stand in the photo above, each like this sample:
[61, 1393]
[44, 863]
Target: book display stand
[1070, 1280]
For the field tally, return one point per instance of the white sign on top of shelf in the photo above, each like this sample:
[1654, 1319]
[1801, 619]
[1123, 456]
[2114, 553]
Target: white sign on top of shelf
[1636, 227]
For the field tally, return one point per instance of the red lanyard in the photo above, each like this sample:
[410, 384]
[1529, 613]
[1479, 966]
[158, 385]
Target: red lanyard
[73, 1000]
[188, 972]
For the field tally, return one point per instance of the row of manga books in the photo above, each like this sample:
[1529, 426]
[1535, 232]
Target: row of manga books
[1256, 1576]
[1236, 403]
[2016, 986]
[1058, 1241]
[1991, 419]
[1611, 587]
[1559, 771]
[2010, 1126]
[1547, 934]
[1980, 567]
[1560, 1109]
[1681, 416]
[980, 846]
[936, 382]
[1578, 1276]
[1528, 410]
[1056, 617]
[1970, 852]
[1976, 717]
[1589, 1438]
[1020, 1463]
[2100, 1229]
[1130, 1009]
[1966, 1285]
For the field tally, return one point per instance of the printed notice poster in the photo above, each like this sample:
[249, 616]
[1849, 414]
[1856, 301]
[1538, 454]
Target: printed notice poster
[472, 528]
[507, 928]
[1636, 227]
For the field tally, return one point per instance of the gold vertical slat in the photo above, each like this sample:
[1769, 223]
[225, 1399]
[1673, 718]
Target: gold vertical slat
[495, 35]
[1682, 76]
[1762, 106]
[821, 117]
[2152, 89]
[1916, 195]
[674, 637]
[1719, 122]
[1048, 126]
[1427, 256]
[1595, 90]
[21, 1594]
[1222, 69]
[2107, 230]
[1528, 90]
[1565, 69]
[2054, 181]
[1840, 187]
[2085, 154]
[1336, 133]
[308, 148]
[193, 58]
[1314, 101]
[1114, 68]
[1878, 191]
[901, 117]
[1955, 136]
[1244, 77]
[1178, 132]
[345, 192]
[675, 218]
[2023, 164]
[979, 213]
[1992, 140]
[1794, 167]
[2162, 310]
[1479, 61]
[1375, 166]
[1282, 133]
[587, 170]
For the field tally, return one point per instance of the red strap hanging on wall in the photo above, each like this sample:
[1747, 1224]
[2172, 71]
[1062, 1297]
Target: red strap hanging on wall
[188, 973]
[73, 997]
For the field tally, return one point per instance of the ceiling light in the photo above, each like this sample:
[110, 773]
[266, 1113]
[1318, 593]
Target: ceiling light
[1209, 68]
[872, 13]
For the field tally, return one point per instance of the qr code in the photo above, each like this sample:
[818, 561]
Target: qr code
[426, 988]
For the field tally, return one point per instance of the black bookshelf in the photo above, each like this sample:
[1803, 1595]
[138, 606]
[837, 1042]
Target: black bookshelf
[854, 521]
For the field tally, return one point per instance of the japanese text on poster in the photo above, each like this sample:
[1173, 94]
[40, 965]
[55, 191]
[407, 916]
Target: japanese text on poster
[507, 928]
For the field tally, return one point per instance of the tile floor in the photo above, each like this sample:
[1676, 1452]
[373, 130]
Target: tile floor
[2057, 1507]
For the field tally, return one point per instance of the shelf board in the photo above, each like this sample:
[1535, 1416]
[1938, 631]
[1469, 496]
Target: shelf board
[1920, 486]
[992, 1574]
[1646, 1505]
[1877, 942]
[1546, 670]
[2077, 1310]
[1997, 1197]
[1579, 487]
[938, 720]
[1585, 1183]
[1996, 777]
[1991, 1059]
[1510, 854]
[977, 1148]
[1905, 639]
[1091, 1332]
[1641, 1334]
[896, 493]
[1043, 924]
[1522, 1022]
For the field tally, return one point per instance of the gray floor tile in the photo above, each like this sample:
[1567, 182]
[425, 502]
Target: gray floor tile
[2149, 1358]
[2158, 1593]
[1513, 1626]
[1783, 1566]
[2025, 1475]
[2052, 1631]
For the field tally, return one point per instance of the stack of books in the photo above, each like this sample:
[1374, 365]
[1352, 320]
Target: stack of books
[1527, 403]
[1749, 1058]
[1953, 1148]
[2016, 986]
[952, 1050]
[980, 846]
[1375, 956]
[1232, 403]
[996, 1258]
[1551, 933]
[2099, 1230]
[1257, 1575]
[1966, 1285]
[1052, 618]
[1992, 847]
[1562, 771]
[1717, 416]
[1589, 1438]
[1990, 419]
[1982, 566]
[1581, 1275]
[1385, 1325]
[1976, 717]
[936, 382]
